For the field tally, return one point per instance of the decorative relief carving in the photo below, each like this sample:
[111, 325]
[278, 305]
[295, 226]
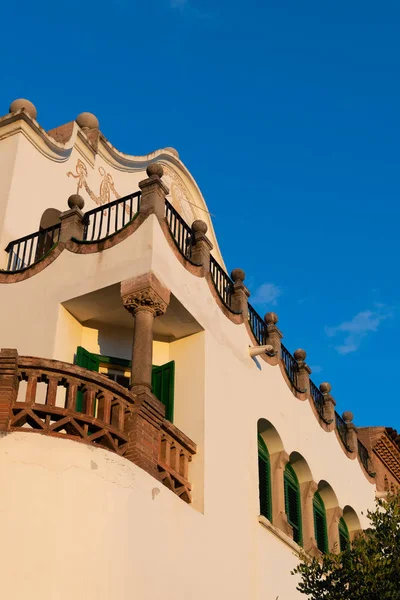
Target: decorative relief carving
[107, 186]
[180, 197]
[145, 299]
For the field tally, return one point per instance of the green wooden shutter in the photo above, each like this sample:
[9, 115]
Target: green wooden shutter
[162, 383]
[292, 503]
[320, 529]
[89, 361]
[344, 537]
[264, 479]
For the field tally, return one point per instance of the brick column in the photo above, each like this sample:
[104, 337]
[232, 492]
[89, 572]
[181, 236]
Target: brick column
[329, 402]
[8, 384]
[278, 462]
[72, 220]
[333, 516]
[154, 191]
[145, 298]
[201, 245]
[351, 436]
[274, 336]
[307, 491]
[304, 371]
[240, 293]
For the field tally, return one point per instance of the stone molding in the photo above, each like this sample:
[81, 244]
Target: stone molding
[145, 292]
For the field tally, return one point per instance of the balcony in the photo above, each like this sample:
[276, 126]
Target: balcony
[40, 395]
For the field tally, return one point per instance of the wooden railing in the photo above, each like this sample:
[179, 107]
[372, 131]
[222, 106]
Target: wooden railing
[69, 401]
[176, 452]
[26, 251]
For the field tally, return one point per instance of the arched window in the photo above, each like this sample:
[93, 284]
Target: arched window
[320, 529]
[292, 502]
[264, 479]
[344, 537]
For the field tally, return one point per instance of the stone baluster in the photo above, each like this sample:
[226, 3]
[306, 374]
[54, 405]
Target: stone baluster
[329, 402]
[201, 245]
[72, 220]
[154, 191]
[145, 298]
[304, 371]
[274, 336]
[351, 434]
[8, 384]
[240, 294]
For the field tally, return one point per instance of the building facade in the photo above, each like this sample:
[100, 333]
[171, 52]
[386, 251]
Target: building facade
[158, 440]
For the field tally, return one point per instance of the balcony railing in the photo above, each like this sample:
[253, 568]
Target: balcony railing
[222, 282]
[180, 230]
[342, 429]
[26, 251]
[290, 365]
[257, 326]
[103, 221]
[63, 400]
[318, 398]
[365, 458]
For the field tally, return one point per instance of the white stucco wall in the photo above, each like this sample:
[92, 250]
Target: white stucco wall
[87, 524]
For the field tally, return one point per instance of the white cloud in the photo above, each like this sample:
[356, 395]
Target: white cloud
[357, 329]
[267, 293]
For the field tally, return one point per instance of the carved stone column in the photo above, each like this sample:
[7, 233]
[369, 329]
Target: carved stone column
[145, 298]
[240, 293]
[72, 220]
[329, 402]
[201, 245]
[351, 436]
[304, 371]
[333, 516]
[8, 384]
[154, 191]
[307, 491]
[278, 462]
[274, 336]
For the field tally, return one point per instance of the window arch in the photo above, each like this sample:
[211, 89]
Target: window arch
[264, 479]
[320, 528]
[344, 537]
[293, 503]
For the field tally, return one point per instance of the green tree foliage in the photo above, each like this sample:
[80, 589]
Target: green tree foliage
[369, 569]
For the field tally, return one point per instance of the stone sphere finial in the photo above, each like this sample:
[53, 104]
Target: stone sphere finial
[87, 120]
[325, 387]
[271, 318]
[23, 103]
[300, 354]
[76, 201]
[238, 275]
[155, 169]
[199, 226]
[348, 416]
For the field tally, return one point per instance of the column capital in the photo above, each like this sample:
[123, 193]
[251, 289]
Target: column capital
[145, 293]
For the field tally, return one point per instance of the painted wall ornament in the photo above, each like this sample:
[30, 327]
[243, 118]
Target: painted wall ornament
[107, 186]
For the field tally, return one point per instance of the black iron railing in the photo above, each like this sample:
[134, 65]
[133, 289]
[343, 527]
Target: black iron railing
[223, 283]
[106, 220]
[341, 428]
[180, 230]
[318, 398]
[257, 326]
[26, 251]
[290, 365]
[364, 458]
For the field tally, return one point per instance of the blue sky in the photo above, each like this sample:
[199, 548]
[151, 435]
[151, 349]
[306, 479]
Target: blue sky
[287, 114]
